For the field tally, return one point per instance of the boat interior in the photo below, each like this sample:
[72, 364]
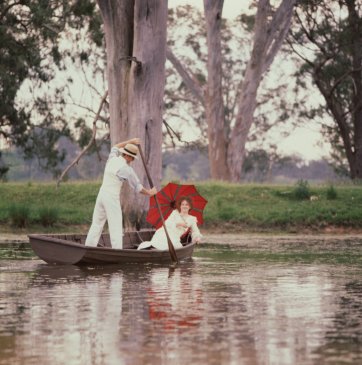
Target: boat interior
[131, 239]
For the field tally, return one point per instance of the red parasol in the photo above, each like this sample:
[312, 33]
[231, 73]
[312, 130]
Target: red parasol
[167, 198]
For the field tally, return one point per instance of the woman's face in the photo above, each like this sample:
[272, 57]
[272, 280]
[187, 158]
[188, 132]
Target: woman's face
[184, 207]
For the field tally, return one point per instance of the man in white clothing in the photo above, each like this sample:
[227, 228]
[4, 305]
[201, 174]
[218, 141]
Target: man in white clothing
[108, 207]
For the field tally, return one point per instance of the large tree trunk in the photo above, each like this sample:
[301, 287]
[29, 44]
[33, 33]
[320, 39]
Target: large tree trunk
[335, 65]
[146, 91]
[135, 33]
[339, 116]
[226, 153]
[269, 35]
[356, 24]
[118, 29]
[214, 104]
[349, 124]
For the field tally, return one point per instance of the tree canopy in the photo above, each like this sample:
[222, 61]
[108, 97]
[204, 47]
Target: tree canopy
[31, 34]
[327, 36]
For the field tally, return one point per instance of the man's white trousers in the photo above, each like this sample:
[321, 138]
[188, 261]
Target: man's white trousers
[107, 208]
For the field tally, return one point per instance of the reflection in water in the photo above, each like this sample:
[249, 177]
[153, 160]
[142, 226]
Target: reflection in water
[225, 306]
[344, 338]
[176, 306]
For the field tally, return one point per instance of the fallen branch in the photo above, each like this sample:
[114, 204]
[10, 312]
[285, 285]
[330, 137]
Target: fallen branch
[92, 140]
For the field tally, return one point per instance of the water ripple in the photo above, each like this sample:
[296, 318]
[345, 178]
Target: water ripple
[288, 304]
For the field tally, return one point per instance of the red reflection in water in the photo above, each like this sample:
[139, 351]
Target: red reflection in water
[175, 309]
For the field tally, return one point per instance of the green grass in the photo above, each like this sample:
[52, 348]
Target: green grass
[19, 215]
[273, 207]
[48, 216]
[230, 206]
[72, 202]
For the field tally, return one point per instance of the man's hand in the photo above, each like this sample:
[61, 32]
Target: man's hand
[134, 141]
[149, 192]
[152, 191]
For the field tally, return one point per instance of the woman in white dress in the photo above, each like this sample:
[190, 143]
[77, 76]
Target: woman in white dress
[177, 224]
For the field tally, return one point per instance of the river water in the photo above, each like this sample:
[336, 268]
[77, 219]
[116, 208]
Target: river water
[281, 303]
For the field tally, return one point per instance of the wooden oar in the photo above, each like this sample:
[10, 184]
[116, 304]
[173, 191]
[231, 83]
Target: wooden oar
[169, 242]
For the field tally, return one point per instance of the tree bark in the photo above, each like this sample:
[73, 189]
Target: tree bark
[135, 32]
[226, 152]
[146, 91]
[356, 49]
[345, 107]
[214, 104]
[118, 29]
[268, 37]
[191, 83]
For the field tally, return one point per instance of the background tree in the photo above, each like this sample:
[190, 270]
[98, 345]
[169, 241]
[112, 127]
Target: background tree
[227, 140]
[31, 34]
[270, 29]
[327, 36]
[135, 35]
[188, 54]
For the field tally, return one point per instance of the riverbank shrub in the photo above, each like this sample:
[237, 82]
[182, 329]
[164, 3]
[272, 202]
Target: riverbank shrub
[48, 216]
[19, 215]
[301, 190]
[331, 193]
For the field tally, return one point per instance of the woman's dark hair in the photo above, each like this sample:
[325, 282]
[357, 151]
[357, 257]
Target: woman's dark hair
[181, 199]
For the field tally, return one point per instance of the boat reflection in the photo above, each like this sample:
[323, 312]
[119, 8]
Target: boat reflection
[222, 307]
[174, 301]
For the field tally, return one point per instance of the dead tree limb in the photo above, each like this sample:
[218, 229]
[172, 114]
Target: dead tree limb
[88, 146]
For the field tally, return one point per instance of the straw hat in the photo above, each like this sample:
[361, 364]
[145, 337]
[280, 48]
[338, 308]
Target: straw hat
[130, 150]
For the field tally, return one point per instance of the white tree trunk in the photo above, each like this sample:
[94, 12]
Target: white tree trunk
[135, 33]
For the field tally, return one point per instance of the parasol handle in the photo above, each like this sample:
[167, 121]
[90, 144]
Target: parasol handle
[169, 242]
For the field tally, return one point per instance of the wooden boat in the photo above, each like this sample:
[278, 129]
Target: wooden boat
[70, 249]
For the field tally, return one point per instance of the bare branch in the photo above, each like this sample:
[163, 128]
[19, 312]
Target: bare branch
[88, 82]
[180, 98]
[172, 133]
[191, 83]
[342, 78]
[92, 140]
[281, 24]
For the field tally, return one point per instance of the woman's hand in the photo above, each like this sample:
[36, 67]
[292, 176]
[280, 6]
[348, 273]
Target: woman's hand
[183, 225]
[197, 240]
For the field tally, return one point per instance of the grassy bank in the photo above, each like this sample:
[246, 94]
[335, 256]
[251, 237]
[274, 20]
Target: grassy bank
[230, 207]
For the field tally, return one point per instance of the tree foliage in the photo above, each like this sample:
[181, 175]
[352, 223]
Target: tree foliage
[327, 36]
[32, 33]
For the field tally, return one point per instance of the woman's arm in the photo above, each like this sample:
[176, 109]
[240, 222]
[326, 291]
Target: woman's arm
[195, 232]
